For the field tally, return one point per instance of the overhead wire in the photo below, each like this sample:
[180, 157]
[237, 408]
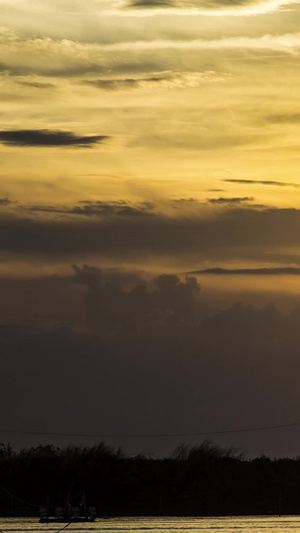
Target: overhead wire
[18, 499]
[150, 435]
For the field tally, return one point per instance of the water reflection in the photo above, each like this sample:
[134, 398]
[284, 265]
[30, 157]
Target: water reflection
[165, 525]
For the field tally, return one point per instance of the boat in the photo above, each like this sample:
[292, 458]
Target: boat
[67, 514]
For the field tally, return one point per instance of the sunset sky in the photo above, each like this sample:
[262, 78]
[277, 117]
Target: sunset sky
[150, 181]
[139, 118]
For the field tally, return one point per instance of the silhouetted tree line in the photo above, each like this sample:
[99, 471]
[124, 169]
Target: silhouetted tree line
[202, 480]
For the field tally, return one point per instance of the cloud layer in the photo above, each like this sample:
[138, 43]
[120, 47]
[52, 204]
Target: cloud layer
[128, 231]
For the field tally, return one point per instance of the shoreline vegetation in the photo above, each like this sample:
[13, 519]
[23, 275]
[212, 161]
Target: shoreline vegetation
[202, 480]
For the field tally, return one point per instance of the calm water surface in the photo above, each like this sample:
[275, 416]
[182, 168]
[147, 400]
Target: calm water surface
[258, 524]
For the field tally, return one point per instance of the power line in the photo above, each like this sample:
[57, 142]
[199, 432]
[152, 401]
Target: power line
[150, 435]
[18, 499]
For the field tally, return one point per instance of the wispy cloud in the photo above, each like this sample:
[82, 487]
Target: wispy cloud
[276, 271]
[281, 118]
[272, 183]
[88, 208]
[36, 84]
[114, 84]
[149, 4]
[69, 58]
[230, 201]
[206, 4]
[167, 80]
[211, 7]
[48, 138]
[282, 43]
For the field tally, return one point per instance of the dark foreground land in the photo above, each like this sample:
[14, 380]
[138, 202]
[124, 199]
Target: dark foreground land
[200, 481]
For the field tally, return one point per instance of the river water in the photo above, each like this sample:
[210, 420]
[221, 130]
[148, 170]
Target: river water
[256, 524]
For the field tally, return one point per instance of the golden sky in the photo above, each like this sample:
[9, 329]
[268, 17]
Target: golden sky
[154, 119]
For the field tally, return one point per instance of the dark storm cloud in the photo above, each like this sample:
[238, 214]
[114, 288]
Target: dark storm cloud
[226, 373]
[48, 138]
[146, 361]
[230, 201]
[272, 183]
[276, 271]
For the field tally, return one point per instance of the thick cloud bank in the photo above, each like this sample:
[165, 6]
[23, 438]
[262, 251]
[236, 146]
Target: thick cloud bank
[171, 375]
[120, 230]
